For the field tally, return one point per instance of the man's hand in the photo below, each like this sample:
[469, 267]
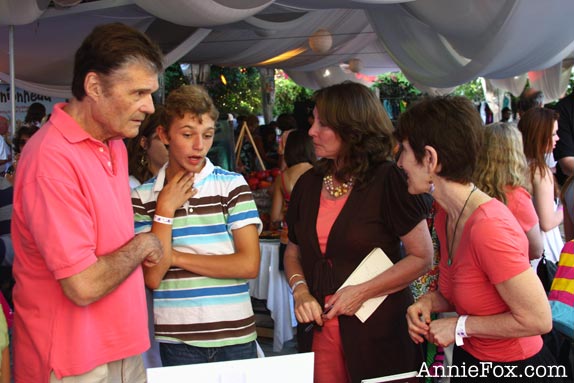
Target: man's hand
[149, 246]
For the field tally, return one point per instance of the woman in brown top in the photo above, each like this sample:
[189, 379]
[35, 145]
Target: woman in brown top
[355, 199]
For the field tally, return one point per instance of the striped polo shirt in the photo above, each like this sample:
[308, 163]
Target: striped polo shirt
[190, 308]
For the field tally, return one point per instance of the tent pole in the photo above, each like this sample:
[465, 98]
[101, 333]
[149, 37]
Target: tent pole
[12, 85]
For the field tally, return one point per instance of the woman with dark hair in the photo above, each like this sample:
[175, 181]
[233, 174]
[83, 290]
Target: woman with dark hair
[354, 200]
[146, 153]
[299, 157]
[485, 274]
[23, 134]
[35, 114]
[287, 124]
[539, 127]
[268, 138]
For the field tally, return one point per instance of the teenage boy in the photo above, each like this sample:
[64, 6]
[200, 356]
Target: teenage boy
[208, 224]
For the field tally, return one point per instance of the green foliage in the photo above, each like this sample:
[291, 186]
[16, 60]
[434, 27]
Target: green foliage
[396, 85]
[287, 92]
[173, 78]
[396, 92]
[241, 95]
[471, 90]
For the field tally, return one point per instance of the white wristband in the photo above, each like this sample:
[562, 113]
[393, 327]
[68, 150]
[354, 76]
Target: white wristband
[460, 332]
[164, 220]
[299, 282]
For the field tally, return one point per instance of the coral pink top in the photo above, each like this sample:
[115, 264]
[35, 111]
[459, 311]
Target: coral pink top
[328, 212]
[493, 249]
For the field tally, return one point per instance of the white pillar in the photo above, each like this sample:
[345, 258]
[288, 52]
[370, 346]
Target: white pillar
[267, 92]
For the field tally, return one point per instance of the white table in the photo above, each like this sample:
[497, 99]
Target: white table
[272, 286]
[277, 369]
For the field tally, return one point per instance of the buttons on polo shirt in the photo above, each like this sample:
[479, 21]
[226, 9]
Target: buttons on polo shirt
[101, 149]
[109, 164]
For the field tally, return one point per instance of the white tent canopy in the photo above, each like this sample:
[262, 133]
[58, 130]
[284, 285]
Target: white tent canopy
[438, 44]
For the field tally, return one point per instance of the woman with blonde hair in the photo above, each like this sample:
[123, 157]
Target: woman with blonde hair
[539, 127]
[501, 173]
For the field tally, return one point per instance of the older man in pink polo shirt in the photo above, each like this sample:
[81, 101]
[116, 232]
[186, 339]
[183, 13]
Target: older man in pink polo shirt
[79, 295]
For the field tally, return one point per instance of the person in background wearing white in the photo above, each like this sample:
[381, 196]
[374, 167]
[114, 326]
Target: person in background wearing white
[5, 152]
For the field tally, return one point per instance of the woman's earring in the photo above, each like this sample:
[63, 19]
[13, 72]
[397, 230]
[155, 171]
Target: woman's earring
[431, 187]
[143, 160]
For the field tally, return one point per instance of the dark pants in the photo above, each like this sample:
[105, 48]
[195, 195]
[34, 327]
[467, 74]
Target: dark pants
[177, 354]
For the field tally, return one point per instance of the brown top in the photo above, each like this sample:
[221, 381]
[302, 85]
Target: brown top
[375, 215]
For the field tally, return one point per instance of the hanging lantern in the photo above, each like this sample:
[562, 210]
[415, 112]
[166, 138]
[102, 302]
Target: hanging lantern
[355, 65]
[321, 41]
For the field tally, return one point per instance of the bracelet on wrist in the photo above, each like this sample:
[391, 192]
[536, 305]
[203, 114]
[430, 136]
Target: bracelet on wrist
[300, 282]
[460, 331]
[162, 219]
[294, 276]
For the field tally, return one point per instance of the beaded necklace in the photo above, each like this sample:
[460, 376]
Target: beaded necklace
[339, 190]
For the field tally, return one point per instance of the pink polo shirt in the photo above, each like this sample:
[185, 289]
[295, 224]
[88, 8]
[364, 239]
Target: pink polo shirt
[71, 205]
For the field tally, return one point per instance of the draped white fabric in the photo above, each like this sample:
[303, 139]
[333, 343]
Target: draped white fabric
[18, 12]
[514, 85]
[438, 44]
[324, 77]
[322, 4]
[203, 13]
[182, 49]
[443, 43]
[552, 81]
[432, 91]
